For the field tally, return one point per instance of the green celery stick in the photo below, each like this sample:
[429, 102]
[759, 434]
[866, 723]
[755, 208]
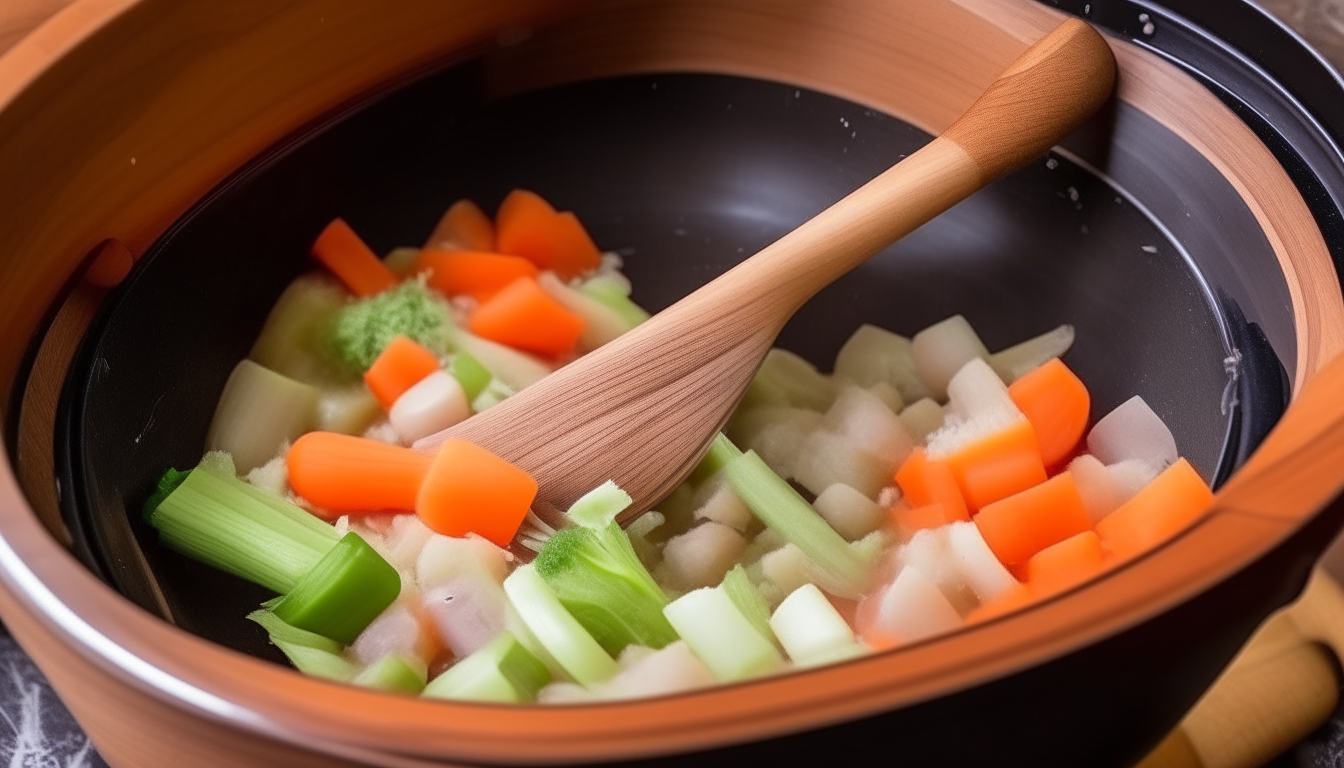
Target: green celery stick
[343, 592]
[395, 673]
[469, 373]
[737, 585]
[310, 653]
[502, 671]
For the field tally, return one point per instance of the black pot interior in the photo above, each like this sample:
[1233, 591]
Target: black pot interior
[683, 175]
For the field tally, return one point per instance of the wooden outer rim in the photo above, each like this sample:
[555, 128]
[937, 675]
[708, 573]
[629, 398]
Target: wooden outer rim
[896, 57]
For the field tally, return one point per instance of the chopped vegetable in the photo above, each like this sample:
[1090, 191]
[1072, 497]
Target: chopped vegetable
[925, 483]
[558, 631]
[615, 294]
[1133, 431]
[502, 672]
[259, 411]
[1168, 504]
[342, 592]
[942, 349]
[395, 673]
[433, 404]
[311, 653]
[341, 473]
[361, 330]
[1020, 359]
[346, 255]
[464, 226]
[522, 315]
[400, 365]
[721, 636]
[1061, 565]
[292, 342]
[1057, 404]
[1023, 524]
[467, 489]
[594, 572]
[473, 273]
[469, 372]
[811, 630]
[526, 225]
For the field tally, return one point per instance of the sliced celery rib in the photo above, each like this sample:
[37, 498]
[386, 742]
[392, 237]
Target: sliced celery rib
[718, 633]
[394, 672]
[220, 520]
[558, 631]
[780, 507]
[600, 506]
[310, 653]
[343, 592]
[502, 671]
[737, 585]
[469, 373]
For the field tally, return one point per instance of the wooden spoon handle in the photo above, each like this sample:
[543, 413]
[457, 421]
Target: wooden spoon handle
[1046, 93]
[1280, 687]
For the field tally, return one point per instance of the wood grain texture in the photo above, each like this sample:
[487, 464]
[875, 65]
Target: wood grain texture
[192, 89]
[642, 409]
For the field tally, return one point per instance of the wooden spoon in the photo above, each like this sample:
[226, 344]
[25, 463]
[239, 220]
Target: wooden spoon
[642, 409]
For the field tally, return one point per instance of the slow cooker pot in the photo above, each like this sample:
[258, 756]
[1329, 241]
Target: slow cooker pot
[1203, 208]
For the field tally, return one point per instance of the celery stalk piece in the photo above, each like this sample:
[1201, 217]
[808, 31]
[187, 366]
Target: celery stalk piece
[811, 630]
[469, 373]
[559, 632]
[258, 411]
[394, 672]
[214, 517]
[599, 507]
[513, 368]
[780, 507]
[502, 672]
[737, 585]
[343, 592]
[615, 294]
[718, 633]
[721, 451]
[495, 392]
[600, 581]
[310, 653]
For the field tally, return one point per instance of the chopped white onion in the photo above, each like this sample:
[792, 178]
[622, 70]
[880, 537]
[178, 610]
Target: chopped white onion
[922, 418]
[701, 556]
[1133, 431]
[868, 423]
[825, 458]
[469, 611]
[942, 349]
[1095, 485]
[443, 558]
[874, 355]
[849, 512]
[1020, 359]
[435, 402]
[983, 572]
[912, 608]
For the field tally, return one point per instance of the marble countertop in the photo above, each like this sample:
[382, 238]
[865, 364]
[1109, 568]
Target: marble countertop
[36, 731]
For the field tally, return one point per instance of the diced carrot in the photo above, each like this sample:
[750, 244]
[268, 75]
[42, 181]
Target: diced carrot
[1057, 404]
[1016, 597]
[998, 466]
[910, 519]
[526, 225]
[1071, 561]
[524, 316]
[400, 366]
[1019, 526]
[353, 262]
[475, 273]
[924, 483]
[343, 474]
[1166, 505]
[470, 490]
[463, 226]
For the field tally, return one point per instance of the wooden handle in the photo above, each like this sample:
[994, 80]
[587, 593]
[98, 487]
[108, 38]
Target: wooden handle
[1281, 687]
[1053, 87]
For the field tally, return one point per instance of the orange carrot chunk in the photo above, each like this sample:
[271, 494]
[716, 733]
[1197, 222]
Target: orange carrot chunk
[1166, 505]
[475, 273]
[1057, 404]
[526, 225]
[1071, 561]
[464, 226]
[1017, 596]
[524, 316]
[998, 466]
[343, 474]
[925, 483]
[909, 520]
[400, 366]
[341, 250]
[1019, 526]
[470, 490]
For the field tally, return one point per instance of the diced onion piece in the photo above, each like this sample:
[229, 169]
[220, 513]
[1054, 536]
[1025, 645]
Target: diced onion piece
[1133, 431]
[468, 612]
[811, 630]
[435, 402]
[912, 608]
[849, 512]
[983, 572]
[979, 405]
[701, 556]
[825, 458]
[779, 442]
[873, 355]
[258, 411]
[718, 633]
[671, 669]
[889, 395]
[922, 418]
[868, 423]
[600, 322]
[404, 540]
[1015, 361]
[1131, 476]
[1100, 492]
[929, 552]
[444, 558]
[722, 506]
[348, 410]
[401, 261]
[560, 633]
[944, 348]
[396, 630]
